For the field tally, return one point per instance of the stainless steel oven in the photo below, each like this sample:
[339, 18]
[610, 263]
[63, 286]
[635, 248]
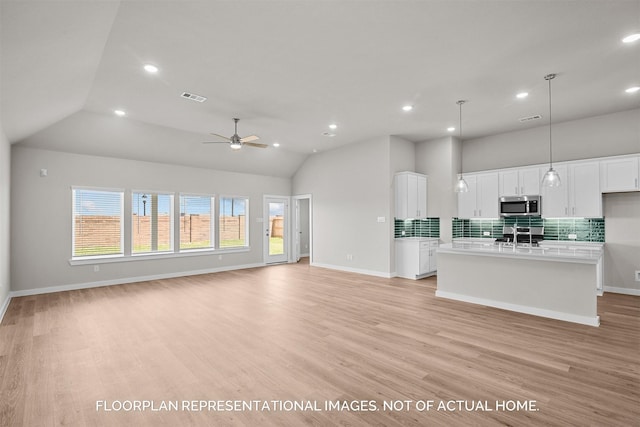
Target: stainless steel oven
[520, 206]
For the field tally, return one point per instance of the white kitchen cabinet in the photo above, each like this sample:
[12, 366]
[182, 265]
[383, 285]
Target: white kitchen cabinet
[411, 195]
[578, 195]
[620, 174]
[585, 198]
[416, 257]
[481, 201]
[519, 182]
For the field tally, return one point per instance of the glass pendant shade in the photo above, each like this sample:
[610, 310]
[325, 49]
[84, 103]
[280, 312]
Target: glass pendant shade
[461, 185]
[551, 178]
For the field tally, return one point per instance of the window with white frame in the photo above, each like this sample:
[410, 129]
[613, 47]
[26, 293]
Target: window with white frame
[196, 222]
[97, 222]
[232, 222]
[151, 222]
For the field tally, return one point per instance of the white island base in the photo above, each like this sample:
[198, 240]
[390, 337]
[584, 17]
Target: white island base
[558, 290]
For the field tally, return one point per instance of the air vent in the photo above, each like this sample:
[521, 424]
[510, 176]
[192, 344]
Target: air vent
[528, 119]
[329, 134]
[193, 97]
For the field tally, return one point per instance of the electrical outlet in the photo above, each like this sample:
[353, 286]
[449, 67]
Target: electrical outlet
[572, 236]
[349, 257]
[486, 233]
[96, 268]
[637, 275]
[219, 257]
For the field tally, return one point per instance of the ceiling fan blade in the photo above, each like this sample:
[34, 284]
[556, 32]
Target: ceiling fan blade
[221, 136]
[215, 142]
[253, 144]
[249, 138]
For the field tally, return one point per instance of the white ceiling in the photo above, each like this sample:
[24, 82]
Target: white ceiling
[290, 68]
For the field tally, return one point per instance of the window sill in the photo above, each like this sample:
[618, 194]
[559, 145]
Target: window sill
[152, 256]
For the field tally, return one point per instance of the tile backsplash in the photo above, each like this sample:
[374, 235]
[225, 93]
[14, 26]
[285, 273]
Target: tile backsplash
[427, 227]
[585, 229]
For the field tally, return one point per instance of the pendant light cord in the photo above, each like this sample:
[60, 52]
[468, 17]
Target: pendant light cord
[550, 150]
[548, 78]
[460, 133]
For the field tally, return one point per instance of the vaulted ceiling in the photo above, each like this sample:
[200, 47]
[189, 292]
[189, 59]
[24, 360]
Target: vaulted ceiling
[288, 69]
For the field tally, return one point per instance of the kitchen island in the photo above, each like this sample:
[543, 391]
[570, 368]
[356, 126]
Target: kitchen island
[560, 282]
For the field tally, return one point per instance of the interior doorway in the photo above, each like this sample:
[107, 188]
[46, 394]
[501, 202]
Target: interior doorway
[302, 226]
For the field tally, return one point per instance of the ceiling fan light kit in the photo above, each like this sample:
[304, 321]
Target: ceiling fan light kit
[235, 142]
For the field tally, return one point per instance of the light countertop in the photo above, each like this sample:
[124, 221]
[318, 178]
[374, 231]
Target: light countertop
[584, 254]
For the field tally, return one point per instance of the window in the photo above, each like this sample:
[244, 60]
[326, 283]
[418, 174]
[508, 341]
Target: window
[151, 222]
[97, 222]
[232, 223]
[196, 225]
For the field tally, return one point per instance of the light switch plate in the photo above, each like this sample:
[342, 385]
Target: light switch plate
[572, 236]
[382, 219]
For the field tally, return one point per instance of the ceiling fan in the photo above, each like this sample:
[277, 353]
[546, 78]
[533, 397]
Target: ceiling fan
[235, 142]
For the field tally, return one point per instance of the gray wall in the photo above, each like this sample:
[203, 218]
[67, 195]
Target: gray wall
[622, 237]
[351, 188]
[601, 136]
[440, 159]
[41, 214]
[5, 191]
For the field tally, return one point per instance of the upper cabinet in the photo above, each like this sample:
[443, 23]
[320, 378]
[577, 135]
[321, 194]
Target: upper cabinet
[520, 182]
[620, 174]
[481, 201]
[577, 196]
[411, 195]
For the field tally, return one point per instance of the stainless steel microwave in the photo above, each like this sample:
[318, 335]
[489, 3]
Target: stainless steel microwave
[520, 206]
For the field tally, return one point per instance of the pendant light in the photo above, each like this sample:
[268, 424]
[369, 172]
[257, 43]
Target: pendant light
[551, 178]
[461, 185]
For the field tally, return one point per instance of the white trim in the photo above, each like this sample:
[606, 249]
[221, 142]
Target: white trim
[353, 270]
[5, 306]
[125, 280]
[558, 315]
[155, 255]
[625, 291]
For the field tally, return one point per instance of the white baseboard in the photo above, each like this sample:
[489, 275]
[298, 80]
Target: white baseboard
[558, 315]
[353, 270]
[5, 305]
[125, 280]
[618, 290]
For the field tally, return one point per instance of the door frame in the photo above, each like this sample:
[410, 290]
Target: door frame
[295, 222]
[286, 257]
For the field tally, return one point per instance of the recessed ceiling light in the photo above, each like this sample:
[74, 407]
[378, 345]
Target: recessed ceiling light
[407, 108]
[633, 89]
[276, 144]
[315, 151]
[333, 126]
[119, 113]
[151, 68]
[451, 129]
[522, 95]
[631, 38]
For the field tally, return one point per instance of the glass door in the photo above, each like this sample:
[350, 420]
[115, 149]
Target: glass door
[276, 225]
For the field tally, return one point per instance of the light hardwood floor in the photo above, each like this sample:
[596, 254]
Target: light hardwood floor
[306, 334]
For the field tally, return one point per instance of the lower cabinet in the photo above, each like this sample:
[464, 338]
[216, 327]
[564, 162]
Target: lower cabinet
[416, 257]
